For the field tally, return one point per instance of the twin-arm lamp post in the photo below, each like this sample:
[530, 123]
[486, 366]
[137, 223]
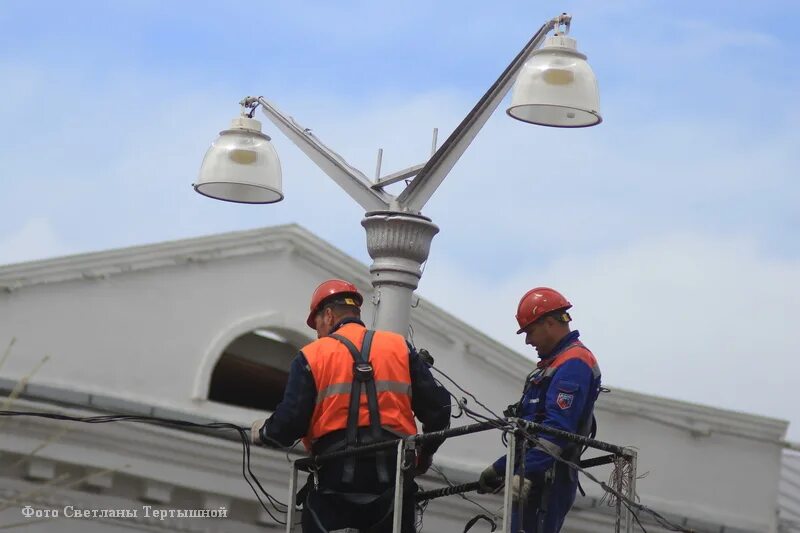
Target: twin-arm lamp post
[554, 87]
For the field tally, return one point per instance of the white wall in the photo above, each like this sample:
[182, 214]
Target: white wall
[153, 336]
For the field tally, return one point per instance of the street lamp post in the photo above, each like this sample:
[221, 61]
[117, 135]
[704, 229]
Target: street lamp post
[555, 87]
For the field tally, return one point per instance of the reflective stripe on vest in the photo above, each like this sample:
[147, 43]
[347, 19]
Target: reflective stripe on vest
[332, 368]
[380, 386]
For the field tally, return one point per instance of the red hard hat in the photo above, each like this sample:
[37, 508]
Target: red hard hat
[330, 288]
[538, 302]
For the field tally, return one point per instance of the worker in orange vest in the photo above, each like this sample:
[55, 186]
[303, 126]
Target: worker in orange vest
[354, 386]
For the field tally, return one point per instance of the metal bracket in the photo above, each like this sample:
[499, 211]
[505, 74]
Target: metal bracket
[349, 178]
[400, 175]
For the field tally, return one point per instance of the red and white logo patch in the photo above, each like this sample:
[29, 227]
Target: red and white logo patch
[564, 400]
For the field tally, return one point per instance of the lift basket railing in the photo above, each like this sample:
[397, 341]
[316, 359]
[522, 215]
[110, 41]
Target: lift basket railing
[623, 458]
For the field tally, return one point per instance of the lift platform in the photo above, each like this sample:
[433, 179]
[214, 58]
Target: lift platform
[521, 434]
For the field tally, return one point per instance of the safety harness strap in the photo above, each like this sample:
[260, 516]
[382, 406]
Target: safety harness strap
[591, 433]
[372, 393]
[351, 433]
[544, 500]
[362, 373]
[371, 500]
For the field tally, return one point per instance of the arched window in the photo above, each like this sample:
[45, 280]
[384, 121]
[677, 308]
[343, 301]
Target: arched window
[252, 370]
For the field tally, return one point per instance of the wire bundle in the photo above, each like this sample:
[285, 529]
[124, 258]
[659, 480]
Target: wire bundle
[505, 425]
[247, 473]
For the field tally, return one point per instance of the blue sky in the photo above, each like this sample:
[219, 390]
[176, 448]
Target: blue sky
[672, 226]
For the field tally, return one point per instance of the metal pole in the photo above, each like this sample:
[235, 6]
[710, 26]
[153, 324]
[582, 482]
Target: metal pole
[422, 187]
[398, 243]
[378, 165]
[397, 240]
[521, 500]
[290, 506]
[306, 463]
[592, 443]
[510, 460]
[398, 487]
[632, 459]
[618, 465]
[350, 179]
[398, 237]
[446, 491]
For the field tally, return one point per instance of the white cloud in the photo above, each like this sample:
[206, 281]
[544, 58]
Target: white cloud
[692, 317]
[707, 38]
[36, 239]
[651, 198]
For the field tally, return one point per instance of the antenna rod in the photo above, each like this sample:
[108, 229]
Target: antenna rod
[378, 166]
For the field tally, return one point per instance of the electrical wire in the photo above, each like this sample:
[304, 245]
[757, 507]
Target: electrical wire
[500, 423]
[473, 502]
[476, 400]
[461, 403]
[421, 507]
[629, 504]
[278, 506]
[505, 426]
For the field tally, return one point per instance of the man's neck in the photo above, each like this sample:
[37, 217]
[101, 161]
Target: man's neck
[568, 338]
[344, 321]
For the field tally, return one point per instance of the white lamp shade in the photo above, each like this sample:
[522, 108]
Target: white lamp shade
[241, 166]
[556, 87]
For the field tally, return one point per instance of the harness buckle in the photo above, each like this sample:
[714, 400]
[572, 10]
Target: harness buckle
[363, 372]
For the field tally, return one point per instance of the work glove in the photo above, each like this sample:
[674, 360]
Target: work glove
[490, 481]
[424, 462]
[255, 431]
[518, 492]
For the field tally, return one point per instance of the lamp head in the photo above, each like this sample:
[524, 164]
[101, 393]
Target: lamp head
[241, 166]
[556, 87]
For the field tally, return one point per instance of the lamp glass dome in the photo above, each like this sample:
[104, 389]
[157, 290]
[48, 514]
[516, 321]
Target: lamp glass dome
[556, 87]
[241, 166]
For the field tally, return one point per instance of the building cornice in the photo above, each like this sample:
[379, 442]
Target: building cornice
[205, 464]
[108, 263]
[697, 419]
[292, 238]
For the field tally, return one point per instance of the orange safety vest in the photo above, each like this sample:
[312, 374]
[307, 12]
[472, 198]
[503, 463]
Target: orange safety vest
[332, 368]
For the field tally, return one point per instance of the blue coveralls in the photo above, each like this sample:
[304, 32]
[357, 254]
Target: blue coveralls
[560, 393]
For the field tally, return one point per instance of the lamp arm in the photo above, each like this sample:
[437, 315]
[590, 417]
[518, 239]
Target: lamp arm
[422, 187]
[352, 180]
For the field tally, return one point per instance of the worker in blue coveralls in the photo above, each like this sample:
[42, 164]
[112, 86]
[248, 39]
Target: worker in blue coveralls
[559, 393]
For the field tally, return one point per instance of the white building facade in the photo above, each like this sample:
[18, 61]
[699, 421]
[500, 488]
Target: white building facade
[204, 330]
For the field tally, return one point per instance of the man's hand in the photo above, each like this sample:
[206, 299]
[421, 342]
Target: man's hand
[255, 431]
[424, 462]
[518, 491]
[490, 481]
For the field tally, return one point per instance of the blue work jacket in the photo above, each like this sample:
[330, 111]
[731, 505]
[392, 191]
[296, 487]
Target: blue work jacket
[560, 393]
